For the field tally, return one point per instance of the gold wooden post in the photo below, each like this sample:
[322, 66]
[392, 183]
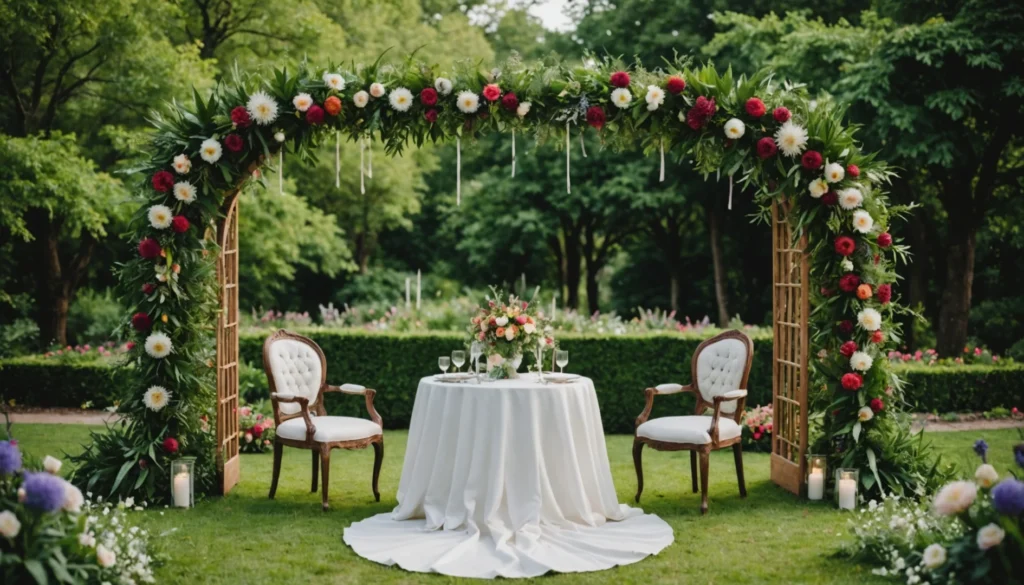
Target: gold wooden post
[228, 462]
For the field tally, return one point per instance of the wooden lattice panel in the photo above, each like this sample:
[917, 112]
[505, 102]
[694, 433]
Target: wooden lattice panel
[790, 308]
[228, 462]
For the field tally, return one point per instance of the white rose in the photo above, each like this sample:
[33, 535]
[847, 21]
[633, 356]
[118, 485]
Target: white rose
[501, 321]
[73, 498]
[986, 475]
[818, 187]
[865, 414]
[10, 526]
[934, 556]
[954, 498]
[52, 465]
[523, 109]
[360, 99]
[990, 536]
[510, 333]
[443, 85]
[529, 327]
[376, 89]
[105, 557]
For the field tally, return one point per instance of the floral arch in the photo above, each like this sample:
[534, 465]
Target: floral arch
[824, 197]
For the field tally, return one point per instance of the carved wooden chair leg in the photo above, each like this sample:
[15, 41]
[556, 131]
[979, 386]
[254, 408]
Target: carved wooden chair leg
[378, 458]
[316, 467]
[325, 472]
[278, 452]
[638, 449]
[704, 482]
[693, 470]
[737, 453]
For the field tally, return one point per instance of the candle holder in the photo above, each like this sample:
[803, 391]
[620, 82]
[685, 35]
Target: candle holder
[847, 482]
[182, 474]
[817, 471]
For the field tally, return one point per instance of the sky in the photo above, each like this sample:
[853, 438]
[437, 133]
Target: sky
[552, 14]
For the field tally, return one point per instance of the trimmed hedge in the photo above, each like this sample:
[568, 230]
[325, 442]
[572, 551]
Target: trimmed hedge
[963, 388]
[35, 381]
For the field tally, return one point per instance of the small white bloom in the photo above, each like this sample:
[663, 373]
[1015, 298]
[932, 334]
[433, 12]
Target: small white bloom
[377, 89]
[990, 536]
[262, 108]
[523, 109]
[130, 501]
[210, 150]
[791, 138]
[986, 475]
[182, 164]
[862, 221]
[656, 96]
[279, 136]
[735, 128]
[52, 465]
[870, 319]
[850, 198]
[160, 217]
[834, 172]
[501, 321]
[73, 498]
[360, 99]
[443, 85]
[468, 102]
[529, 328]
[401, 99]
[934, 556]
[105, 557]
[865, 414]
[860, 361]
[846, 265]
[622, 97]
[334, 81]
[156, 397]
[818, 187]
[248, 437]
[10, 526]
[86, 539]
[302, 101]
[955, 497]
[185, 192]
[158, 345]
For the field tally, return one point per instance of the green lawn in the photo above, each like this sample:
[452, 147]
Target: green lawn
[771, 537]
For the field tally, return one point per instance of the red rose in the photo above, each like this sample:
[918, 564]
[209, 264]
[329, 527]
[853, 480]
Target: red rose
[149, 248]
[180, 224]
[755, 107]
[885, 239]
[757, 436]
[430, 115]
[619, 79]
[846, 327]
[853, 171]
[675, 85]
[428, 97]
[848, 348]
[233, 142]
[811, 160]
[849, 282]
[781, 115]
[163, 181]
[492, 92]
[766, 147]
[148, 288]
[595, 117]
[705, 107]
[332, 105]
[315, 115]
[884, 293]
[877, 405]
[852, 381]
[141, 321]
[257, 430]
[509, 101]
[877, 336]
[240, 117]
[845, 245]
[830, 198]
[171, 445]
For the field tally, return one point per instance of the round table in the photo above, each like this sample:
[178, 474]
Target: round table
[507, 478]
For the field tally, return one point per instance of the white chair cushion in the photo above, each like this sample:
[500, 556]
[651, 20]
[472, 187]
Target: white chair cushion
[296, 369]
[329, 429]
[720, 370]
[687, 429]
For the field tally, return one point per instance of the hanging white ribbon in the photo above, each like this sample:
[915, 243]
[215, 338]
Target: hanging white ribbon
[337, 159]
[458, 171]
[362, 168]
[661, 174]
[513, 154]
[730, 192]
[280, 172]
[369, 166]
[568, 152]
[583, 147]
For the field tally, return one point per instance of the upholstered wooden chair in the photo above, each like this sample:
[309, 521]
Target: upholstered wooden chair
[297, 372]
[719, 370]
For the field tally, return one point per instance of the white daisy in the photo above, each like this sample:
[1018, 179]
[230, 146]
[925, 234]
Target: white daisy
[735, 128]
[865, 414]
[834, 172]
[334, 81]
[185, 192]
[621, 97]
[523, 109]
[210, 150]
[158, 345]
[818, 187]
[182, 165]
[861, 361]
[360, 99]
[160, 217]
[302, 101]
[791, 138]
[401, 99]
[862, 221]
[850, 198]
[468, 102]
[156, 398]
[443, 85]
[870, 319]
[655, 97]
[377, 89]
[262, 108]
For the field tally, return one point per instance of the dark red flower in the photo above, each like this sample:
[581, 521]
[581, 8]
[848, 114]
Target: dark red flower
[149, 248]
[171, 445]
[163, 181]
[675, 85]
[766, 147]
[142, 463]
[430, 115]
[180, 224]
[492, 92]
[595, 117]
[755, 107]
[811, 160]
[884, 293]
[848, 348]
[509, 101]
[845, 245]
[240, 117]
[877, 405]
[825, 291]
[619, 79]
[781, 115]
[332, 105]
[700, 113]
[233, 142]
[428, 97]
[830, 198]
[141, 321]
[885, 239]
[257, 430]
[852, 381]
[148, 288]
[853, 171]
[846, 327]
[315, 115]
[848, 283]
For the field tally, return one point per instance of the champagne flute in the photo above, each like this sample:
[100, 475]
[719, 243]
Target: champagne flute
[458, 358]
[476, 349]
[443, 362]
[562, 359]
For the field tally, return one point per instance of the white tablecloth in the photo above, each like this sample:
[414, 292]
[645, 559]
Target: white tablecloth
[507, 479]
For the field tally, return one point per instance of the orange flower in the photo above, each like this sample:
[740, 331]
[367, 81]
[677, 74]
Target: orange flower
[332, 105]
[864, 292]
[500, 332]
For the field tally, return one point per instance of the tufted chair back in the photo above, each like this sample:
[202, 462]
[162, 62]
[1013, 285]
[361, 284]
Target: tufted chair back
[295, 365]
[722, 364]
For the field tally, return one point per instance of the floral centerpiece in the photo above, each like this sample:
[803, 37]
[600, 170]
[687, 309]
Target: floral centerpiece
[508, 330]
[757, 428]
[256, 429]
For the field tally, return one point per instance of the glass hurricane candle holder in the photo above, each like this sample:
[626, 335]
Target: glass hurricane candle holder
[817, 471]
[847, 481]
[182, 474]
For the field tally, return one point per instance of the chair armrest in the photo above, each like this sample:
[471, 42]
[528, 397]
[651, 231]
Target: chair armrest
[650, 393]
[370, 393]
[740, 395]
[303, 402]
[346, 388]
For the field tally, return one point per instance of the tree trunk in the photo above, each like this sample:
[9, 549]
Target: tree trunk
[956, 295]
[555, 244]
[917, 283]
[592, 291]
[572, 272]
[675, 282]
[52, 298]
[715, 218]
[362, 253]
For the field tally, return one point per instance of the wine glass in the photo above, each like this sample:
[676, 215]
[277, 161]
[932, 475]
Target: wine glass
[562, 359]
[476, 349]
[443, 362]
[458, 358]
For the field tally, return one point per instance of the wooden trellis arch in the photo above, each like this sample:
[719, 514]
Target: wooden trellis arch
[228, 461]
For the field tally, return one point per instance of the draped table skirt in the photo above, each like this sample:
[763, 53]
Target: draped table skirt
[507, 479]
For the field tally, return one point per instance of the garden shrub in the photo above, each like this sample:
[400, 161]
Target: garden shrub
[963, 388]
[35, 381]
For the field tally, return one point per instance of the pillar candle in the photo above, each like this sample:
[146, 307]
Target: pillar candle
[847, 494]
[815, 485]
[181, 488]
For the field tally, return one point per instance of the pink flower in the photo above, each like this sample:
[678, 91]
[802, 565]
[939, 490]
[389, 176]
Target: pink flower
[521, 319]
[245, 411]
[492, 92]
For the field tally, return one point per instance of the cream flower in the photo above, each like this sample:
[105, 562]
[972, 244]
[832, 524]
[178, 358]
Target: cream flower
[185, 192]
[468, 102]
[210, 150]
[105, 557]
[990, 536]
[735, 128]
[73, 498]
[279, 136]
[862, 221]
[401, 99]
[834, 172]
[160, 217]
[360, 99]
[377, 89]
[302, 101]
[986, 475]
[621, 97]
[850, 198]
[10, 526]
[934, 556]
[182, 165]
[818, 187]
[501, 321]
[443, 85]
[656, 96]
[955, 497]
[86, 539]
[510, 333]
[791, 138]
[870, 319]
[158, 345]
[262, 108]
[861, 361]
[334, 81]
[865, 414]
[523, 109]
[846, 265]
[156, 398]
[529, 328]
[52, 465]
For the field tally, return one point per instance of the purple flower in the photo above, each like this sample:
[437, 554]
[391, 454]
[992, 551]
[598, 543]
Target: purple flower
[43, 492]
[981, 448]
[1018, 454]
[10, 458]
[1008, 497]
